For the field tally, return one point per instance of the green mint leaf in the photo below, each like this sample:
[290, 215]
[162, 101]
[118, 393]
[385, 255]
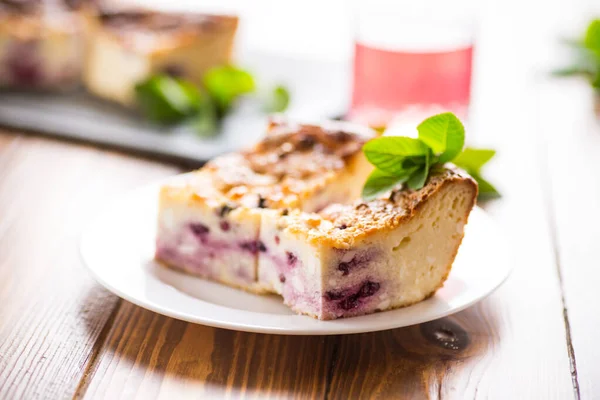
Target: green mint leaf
[225, 84]
[165, 99]
[444, 133]
[206, 122]
[573, 43]
[486, 189]
[419, 177]
[592, 36]
[379, 183]
[278, 100]
[389, 153]
[472, 159]
[570, 71]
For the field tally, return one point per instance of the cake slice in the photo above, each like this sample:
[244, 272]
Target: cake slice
[41, 44]
[209, 225]
[128, 46]
[356, 259]
[202, 233]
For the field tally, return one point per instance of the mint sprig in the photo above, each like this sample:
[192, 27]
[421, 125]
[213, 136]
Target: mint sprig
[165, 99]
[225, 84]
[277, 100]
[403, 160]
[586, 56]
[472, 160]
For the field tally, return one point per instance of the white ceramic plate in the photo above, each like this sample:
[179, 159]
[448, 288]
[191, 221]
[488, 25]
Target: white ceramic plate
[118, 250]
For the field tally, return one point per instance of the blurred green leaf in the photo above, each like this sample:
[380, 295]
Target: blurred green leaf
[592, 35]
[225, 84]
[486, 189]
[473, 159]
[570, 71]
[206, 122]
[167, 100]
[278, 100]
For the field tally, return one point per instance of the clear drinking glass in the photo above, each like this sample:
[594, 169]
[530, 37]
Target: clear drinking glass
[412, 59]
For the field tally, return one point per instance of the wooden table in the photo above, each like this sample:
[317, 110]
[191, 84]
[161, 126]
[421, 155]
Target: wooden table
[62, 335]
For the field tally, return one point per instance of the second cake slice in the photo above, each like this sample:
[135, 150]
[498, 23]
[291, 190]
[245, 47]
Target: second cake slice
[356, 259]
[209, 225]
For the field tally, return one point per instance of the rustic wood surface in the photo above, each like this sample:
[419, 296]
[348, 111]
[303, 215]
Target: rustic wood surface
[574, 192]
[63, 336]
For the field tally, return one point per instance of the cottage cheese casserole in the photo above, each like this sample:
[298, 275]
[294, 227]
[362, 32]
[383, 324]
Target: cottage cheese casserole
[286, 217]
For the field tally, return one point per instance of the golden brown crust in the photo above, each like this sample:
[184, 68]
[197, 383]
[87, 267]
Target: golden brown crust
[341, 226]
[157, 31]
[288, 166]
[31, 20]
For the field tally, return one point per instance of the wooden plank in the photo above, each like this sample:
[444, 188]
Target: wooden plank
[149, 356]
[574, 189]
[51, 312]
[569, 133]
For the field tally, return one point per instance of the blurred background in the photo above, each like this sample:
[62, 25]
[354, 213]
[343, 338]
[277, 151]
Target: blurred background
[380, 63]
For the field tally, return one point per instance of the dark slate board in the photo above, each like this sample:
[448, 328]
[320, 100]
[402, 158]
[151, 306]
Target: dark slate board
[319, 91]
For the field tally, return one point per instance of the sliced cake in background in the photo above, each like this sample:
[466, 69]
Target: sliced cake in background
[41, 44]
[128, 46]
[356, 259]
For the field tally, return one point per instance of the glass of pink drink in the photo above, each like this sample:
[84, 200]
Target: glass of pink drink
[409, 67]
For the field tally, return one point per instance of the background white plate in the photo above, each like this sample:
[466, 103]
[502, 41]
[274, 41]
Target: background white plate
[118, 249]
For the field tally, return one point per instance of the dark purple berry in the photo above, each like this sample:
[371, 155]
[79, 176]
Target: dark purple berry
[224, 226]
[262, 202]
[359, 260]
[281, 278]
[199, 229]
[334, 295]
[253, 246]
[249, 246]
[23, 66]
[349, 303]
[368, 289]
[345, 268]
[342, 226]
[291, 258]
[226, 209]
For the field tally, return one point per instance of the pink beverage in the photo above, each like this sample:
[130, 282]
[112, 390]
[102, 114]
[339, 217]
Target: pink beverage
[408, 69]
[388, 82]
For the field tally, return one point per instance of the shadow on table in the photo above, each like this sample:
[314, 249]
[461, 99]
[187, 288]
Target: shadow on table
[152, 354]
